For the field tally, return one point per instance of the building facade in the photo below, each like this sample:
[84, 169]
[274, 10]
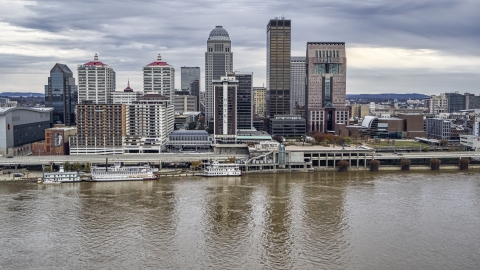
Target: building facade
[218, 61]
[287, 126]
[56, 141]
[260, 101]
[159, 78]
[438, 128]
[278, 67]
[184, 102]
[225, 104]
[455, 102]
[61, 95]
[438, 104]
[21, 126]
[96, 82]
[148, 122]
[188, 76]
[297, 83]
[99, 129]
[326, 69]
[244, 100]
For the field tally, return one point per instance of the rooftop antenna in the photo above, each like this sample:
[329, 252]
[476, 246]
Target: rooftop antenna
[159, 57]
[95, 58]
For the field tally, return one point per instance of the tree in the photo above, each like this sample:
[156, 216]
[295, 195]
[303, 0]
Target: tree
[443, 142]
[86, 167]
[196, 164]
[76, 166]
[231, 160]
[66, 166]
[192, 125]
[48, 168]
[277, 138]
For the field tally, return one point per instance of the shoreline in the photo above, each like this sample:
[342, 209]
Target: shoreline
[34, 176]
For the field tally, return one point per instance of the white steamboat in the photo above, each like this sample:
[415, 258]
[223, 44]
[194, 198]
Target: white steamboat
[117, 172]
[222, 169]
[60, 177]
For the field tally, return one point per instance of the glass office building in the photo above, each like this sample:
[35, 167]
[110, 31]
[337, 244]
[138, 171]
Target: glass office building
[61, 95]
[278, 67]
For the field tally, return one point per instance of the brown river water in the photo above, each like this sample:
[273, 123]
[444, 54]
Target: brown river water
[323, 220]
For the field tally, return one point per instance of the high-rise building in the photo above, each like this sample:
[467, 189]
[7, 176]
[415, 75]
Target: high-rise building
[297, 83]
[218, 61]
[259, 101]
[61, 94]
[159, 78]
[96, 82]
[148, 123]
[225, 104]
[326, 69]
[189, 76]
[455, 102]
[278, 67]
[244, 100]
[100, 129]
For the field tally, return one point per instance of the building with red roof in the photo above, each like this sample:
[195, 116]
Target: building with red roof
[96, 82]
[159, 78]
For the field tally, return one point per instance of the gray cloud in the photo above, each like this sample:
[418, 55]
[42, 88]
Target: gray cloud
[129, 34]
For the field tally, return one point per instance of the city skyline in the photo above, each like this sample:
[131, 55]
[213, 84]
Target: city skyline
[409, 47]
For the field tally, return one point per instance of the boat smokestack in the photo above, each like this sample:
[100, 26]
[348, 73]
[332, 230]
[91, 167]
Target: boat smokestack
[106, 164]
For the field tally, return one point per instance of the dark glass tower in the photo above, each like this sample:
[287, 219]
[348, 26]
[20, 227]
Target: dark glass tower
[244, 100]
[61, 94]
[278, 67]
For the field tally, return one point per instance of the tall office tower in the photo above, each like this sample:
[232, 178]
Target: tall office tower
[297, 84]
[61, 94]
[244, 100]
[278, 67]
[218, 61]
[96, 82]
[259, 101]
[189, 75]
[326, 69]
[225, 104]
[159, 78]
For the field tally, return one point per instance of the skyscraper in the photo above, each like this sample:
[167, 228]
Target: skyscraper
[96, 82]
[297, 83]
[225, 104]
[278, 67]
[189, 75]
[218, 61]
[244, 100]
[61, 94]
[159, 78]
[326, 69]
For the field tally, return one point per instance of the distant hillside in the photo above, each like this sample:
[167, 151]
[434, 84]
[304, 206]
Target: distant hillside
[387, 96]
[21, 94]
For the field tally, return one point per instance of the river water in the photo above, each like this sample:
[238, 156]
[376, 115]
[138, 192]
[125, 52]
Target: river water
[323, 220]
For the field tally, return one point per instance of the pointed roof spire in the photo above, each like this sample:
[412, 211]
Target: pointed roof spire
[128, 89]
[96, 57]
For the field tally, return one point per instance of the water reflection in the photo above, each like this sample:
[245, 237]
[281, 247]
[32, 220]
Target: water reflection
[327, 220]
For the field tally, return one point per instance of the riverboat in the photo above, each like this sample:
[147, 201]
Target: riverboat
[60, 177]
[222, 169]
[117, 172]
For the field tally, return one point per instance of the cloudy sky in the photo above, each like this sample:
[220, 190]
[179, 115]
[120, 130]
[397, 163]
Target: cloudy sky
[407, 46]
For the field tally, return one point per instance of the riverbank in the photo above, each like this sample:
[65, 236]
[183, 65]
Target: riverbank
[35, 176]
